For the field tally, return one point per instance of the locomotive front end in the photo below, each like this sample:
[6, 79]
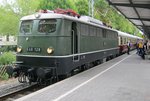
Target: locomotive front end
[37, 41]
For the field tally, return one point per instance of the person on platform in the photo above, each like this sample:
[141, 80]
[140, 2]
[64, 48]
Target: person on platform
[141, 47]
[128, 46]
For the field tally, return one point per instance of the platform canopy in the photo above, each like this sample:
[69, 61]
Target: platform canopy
[137, 11]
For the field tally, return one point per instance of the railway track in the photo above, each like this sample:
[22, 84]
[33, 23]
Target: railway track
[20, 90]
[15, 92]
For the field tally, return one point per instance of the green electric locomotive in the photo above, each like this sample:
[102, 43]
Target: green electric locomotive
[54, 46]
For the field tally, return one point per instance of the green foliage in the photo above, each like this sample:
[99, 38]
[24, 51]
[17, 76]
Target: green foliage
[112, 17]
[139, 34]
[54, 4]
[26, 7]
[7, 58]
[5, 76]
[12, 12]
[9, 22]
[82, 7]
[8, 48]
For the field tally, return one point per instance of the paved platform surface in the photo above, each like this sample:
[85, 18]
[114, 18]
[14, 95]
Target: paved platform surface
[125, 78]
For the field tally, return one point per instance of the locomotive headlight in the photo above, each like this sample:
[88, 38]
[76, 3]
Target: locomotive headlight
[19, 49]
[50, 50]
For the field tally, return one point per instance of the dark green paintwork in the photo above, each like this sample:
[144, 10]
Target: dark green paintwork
[60, 40]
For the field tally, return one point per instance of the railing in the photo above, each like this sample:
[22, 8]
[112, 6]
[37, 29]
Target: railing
[2, 71]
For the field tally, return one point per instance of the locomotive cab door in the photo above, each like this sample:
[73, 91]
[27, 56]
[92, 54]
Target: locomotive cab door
[74, 42]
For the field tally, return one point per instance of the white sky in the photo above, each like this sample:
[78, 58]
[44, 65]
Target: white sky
[10, 1]
[1, 1]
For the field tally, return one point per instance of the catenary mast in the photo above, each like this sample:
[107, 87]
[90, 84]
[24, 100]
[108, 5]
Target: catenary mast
[91, 8]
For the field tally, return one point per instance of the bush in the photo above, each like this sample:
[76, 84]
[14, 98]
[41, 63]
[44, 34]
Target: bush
[5, 77]
[7, 58]
[8, 48]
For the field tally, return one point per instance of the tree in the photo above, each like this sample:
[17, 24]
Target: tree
[9, 22]
[12, 12]
[54, 4]
[112, 17]
[82, 7]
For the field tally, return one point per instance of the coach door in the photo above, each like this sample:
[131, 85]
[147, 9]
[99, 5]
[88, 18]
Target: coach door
[74, 43]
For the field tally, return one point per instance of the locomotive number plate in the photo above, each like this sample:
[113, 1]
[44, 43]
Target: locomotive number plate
[34, 49]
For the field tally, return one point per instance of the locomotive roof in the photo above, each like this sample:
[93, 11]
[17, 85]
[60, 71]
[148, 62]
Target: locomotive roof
[43, 16]
[62, 16]
[82, 20]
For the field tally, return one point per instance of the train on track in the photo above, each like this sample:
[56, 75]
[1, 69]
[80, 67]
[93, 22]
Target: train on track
[54, 45]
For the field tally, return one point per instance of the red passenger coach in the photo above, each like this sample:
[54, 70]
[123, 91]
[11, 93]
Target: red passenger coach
[123, 39]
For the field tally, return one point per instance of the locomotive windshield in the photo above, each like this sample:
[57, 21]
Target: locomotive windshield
[26, 27]
[47, 26]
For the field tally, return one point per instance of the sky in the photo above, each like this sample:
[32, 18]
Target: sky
[1, 2]
[10, 1]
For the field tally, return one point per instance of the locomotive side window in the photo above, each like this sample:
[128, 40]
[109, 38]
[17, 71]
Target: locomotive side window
[104, 33]
[99, 32]
[109, 34]
[84, 29]
[92, 31]
[114, 35]
[47, 26]
[26, 27]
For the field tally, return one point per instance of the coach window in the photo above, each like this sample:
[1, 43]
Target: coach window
[47, 26]
[125, 40]
[26, 27]
[121, 40]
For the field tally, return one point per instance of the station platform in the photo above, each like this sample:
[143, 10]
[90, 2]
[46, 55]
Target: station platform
[125, 78]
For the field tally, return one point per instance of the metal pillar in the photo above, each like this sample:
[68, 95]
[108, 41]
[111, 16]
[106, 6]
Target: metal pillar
[91, 8]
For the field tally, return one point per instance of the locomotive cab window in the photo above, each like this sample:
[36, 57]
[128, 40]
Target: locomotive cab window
[47, 26]
[26, 27]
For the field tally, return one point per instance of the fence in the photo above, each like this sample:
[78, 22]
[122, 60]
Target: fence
[2, 71]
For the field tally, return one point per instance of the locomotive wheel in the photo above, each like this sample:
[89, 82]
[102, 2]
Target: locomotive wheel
[108, 58]
[98, 62]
